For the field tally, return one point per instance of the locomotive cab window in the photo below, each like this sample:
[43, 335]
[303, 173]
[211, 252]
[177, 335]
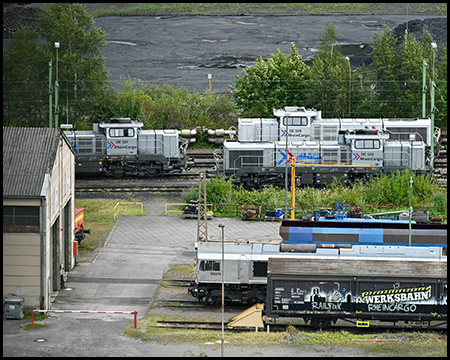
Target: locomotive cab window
[207, 265]
[121, 132]
[295, 121]
[367, 144]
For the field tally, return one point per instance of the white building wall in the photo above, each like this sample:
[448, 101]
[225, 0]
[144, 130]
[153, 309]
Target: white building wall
[22, 255]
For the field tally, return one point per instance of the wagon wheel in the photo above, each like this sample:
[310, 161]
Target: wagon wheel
[320, 324]
[209, 300]
[252, 301]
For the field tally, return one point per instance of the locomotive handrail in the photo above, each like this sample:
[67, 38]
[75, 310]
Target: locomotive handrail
[332, 164]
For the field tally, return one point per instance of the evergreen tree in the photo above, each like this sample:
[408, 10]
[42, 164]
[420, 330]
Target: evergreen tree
[332, 79]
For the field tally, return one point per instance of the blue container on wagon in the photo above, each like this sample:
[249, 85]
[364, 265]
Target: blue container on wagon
[363, 232]
[279, 213]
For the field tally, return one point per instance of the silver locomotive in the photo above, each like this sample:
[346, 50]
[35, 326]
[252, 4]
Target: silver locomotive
[120, 147]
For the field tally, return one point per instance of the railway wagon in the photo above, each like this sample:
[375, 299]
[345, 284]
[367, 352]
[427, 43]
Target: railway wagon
[245, 265]
[80, 230]
[363, 232]
[120, 147]
[321, 291]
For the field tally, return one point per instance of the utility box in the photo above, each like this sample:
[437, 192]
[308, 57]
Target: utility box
[421, 216]
[13, 307]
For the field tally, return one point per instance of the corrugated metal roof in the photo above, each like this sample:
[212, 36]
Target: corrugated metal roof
[357, 267]
[28, 154]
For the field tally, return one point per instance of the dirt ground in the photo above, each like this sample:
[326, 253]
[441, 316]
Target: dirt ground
[184, 51]
[187, 50]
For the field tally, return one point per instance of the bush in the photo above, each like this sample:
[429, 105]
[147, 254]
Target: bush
[172, 107]
[379, 193]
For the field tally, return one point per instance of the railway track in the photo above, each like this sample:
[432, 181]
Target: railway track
[204, 325]
[195, 304]
[133, 189]
[170, 183]
[179, 282]
[213, 325]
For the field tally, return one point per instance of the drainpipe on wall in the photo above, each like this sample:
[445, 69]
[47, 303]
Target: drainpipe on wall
[44, 192]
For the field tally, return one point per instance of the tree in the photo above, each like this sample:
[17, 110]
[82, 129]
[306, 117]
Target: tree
[274, 83]
[441, 90]
[399, 73]
[25, 82]
[386, 63]
[331, 79]
[363, 104]
[83, 80]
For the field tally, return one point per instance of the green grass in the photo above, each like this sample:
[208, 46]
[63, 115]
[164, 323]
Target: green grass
[387, 344]
[37, 317]
[411, 344]
[99, 217]
[34, 326]
[177, 271]
[270, 9]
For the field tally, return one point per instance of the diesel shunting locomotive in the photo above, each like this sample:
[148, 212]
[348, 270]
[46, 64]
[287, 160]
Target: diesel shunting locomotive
[120, 147]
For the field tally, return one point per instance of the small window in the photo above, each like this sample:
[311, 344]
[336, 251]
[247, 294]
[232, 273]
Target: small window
[20, 219]
[121, 132]
[207, 265]
[8, 215]
[67, 180]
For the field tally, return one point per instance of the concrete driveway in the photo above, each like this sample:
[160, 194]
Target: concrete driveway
[124, 276]
[126, 273]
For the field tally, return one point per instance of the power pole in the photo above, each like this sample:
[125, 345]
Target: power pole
[202, 222]
[50, 94]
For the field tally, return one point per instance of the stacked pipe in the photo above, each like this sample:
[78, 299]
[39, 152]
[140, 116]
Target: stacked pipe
[189, 134]
[217, 136]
